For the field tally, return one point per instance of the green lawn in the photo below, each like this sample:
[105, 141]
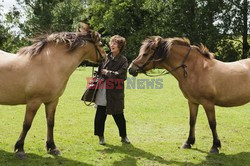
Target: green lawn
[157, 125]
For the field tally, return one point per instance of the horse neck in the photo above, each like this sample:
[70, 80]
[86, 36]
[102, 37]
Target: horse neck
[62, 61]
[175, 59]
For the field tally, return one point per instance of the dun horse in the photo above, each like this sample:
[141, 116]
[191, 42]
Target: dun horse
[202, 79]
[39, 74]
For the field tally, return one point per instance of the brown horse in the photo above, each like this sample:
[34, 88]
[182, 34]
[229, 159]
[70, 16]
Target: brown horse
[39, 74]
[202, 79]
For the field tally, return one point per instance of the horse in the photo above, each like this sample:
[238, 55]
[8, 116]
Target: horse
[38, 74]
[202, 79]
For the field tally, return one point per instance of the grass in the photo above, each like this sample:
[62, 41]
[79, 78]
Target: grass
[157, 125]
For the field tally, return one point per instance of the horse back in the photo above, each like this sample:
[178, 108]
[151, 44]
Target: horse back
[11, 79]
[224, 84]
[23, 77]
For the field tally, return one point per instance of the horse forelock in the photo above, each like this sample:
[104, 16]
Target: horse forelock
[160, 45]
[147, 43]
[71, 39]
[163, 49]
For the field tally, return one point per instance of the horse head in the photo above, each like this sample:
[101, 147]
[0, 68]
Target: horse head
[95, 38]
[151, 51]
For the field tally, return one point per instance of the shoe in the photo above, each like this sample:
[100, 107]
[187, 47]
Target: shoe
[101, 140]
[125, 140]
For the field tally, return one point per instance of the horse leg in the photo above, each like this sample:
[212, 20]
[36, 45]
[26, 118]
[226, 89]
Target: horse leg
[31, 109]
[50, 109]
[193, 110]
[210, 111]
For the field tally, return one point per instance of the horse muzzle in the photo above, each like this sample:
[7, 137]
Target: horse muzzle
[132, 72]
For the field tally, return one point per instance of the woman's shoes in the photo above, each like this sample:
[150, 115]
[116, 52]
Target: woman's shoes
[125, 140]
[101, 140]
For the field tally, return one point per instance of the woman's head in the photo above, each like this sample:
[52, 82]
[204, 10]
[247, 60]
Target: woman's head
[117, 40]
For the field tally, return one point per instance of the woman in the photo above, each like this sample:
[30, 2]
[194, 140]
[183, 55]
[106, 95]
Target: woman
[110, 96]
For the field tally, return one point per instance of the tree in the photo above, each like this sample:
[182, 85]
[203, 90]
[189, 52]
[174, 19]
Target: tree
[118, 17]
[211, 22]
[235, 23]
[46, 16]
[195, 20]
[135, 20]
[41, 17]
[245, 11]
[9, 40]
[67, 15]
[38, 16]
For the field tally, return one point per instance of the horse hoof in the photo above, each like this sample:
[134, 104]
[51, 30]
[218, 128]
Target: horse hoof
[21, 155]
[55, 152]
[214, 151]
[186, 146]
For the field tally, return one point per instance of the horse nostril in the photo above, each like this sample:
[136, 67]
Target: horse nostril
[130, 71]
[134, 74]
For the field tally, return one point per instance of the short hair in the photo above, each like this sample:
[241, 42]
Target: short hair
[121, 41]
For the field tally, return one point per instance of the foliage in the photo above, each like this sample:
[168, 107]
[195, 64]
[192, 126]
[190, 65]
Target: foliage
[210, 22]
[49, 16]
[39, 16]
[229, 47]
[4, 35]
[120, 17]
[235, 21]
[11, 39]
[196, 19]
[67, 15]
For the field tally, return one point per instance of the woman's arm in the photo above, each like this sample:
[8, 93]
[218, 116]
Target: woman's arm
[121, 73]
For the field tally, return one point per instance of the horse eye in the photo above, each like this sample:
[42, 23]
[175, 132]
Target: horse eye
[144, 54]
[152, 57]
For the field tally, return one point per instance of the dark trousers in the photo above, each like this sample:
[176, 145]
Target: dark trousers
[100, 118]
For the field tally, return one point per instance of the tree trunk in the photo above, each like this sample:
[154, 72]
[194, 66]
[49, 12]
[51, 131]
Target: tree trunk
[245, 30]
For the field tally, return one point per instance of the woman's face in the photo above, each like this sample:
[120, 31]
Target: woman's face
[114, 47]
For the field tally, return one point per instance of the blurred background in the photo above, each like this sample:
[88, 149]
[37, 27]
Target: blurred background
[222, 26]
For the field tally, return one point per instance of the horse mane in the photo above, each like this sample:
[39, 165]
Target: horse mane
[205, 51]
[166, 44]
[186, 42]
[71, 39]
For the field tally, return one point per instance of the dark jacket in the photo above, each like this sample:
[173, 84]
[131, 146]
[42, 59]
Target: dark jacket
[114, 82]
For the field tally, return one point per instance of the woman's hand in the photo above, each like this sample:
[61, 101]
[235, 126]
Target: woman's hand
[104, 72]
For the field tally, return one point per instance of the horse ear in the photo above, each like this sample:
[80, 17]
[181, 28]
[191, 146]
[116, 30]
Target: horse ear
[96, 37]
[84, 27]
[157, 41]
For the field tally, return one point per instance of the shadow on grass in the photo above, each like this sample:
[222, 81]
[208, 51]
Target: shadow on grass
[8, 158]
[134, 154]
[242, 158]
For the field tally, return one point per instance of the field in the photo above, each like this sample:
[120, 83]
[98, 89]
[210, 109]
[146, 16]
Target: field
[157, 125]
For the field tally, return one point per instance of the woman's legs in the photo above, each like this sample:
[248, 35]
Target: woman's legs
[100, 118]
[121, 124]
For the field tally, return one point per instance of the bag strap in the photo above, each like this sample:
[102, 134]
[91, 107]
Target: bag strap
[93, 70]
[91, 103]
